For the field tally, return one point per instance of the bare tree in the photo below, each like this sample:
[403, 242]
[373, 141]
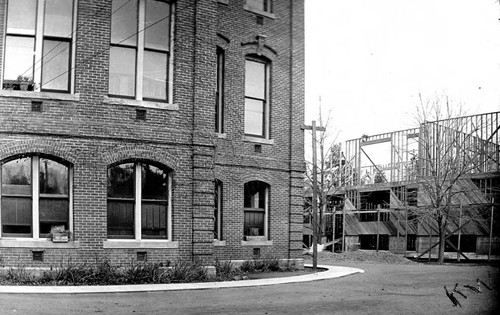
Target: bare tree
[450, 148]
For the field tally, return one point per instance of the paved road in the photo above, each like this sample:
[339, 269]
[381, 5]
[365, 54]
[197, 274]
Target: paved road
[383, 289]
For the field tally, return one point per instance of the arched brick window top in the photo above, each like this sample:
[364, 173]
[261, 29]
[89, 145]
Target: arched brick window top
[256, 210]
[36, 195]
[139, 194]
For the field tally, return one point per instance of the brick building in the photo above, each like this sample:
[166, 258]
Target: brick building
[150, 129]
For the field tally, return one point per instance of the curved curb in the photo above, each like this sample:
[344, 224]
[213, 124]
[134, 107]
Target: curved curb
[330, 273]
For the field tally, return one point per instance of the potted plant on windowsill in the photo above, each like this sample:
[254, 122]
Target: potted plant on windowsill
[25, 82]
[59, 235]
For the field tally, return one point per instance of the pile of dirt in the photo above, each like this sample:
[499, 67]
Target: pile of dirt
[360, 256]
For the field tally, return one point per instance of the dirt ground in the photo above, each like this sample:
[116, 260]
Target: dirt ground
[396, 287]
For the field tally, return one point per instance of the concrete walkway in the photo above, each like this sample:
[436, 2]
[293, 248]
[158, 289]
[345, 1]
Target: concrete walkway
[327, 272]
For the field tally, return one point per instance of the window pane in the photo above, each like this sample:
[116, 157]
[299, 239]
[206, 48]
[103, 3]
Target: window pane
[53, 211]
[58, 18]
[154, 219]
[255, 195]
[157, 33]
[21, 16]
[155, 75]
[154, 183]
[18, 57]
[254, 117]
[55, 65]
[121, 218]
[255, 79]
[53, 178]
[16, 215]
[218, 210]
[16, 177]
[122, 71]
[121, 181]
[254, 223]
[124, 22]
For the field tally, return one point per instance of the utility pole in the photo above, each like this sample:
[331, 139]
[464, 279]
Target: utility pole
[315, 192]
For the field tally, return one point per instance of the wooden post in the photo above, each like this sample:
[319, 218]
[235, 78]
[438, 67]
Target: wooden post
[459, 232]
[430, 242]
[397, 244]
[315, 193]
[491, 226]
[333, 228]
[406, 231]
[378, 225]
[343, 230]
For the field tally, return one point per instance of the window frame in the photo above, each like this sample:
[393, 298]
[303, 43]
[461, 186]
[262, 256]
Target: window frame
[266, 100]
[265, 210]
[39, 38]
[141, 49]
[139, 200]
[218, 209]
[35, 191]
[219, 90]
[267, 6]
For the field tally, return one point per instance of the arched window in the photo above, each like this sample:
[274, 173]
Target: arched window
[256, 209]
[36, 193]
[139, 201]
[257, 97]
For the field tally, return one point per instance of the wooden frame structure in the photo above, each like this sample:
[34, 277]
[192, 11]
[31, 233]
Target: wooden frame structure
[396, 162]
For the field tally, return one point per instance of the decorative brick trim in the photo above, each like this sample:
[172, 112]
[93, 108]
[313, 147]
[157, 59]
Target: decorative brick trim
[142, 153]
[42, 146]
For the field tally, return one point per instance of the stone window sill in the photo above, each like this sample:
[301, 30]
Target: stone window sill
[260, 12]
[40, 95]
[258, 140]
[218, 243]
[223, 1]
[136, 103]
[133, 244]
[221, 135]
[256, 243]
[32, 243]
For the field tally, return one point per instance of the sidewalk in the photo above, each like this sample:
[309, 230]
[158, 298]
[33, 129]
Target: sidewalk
[330, 273]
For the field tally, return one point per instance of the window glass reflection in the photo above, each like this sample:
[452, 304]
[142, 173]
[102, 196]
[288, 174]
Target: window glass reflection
[18, 57]
[58, 18]
[155, 75]
[157, 25]
[122, 71]
[16, 177]
[255, 79]
[53, 178]
[254, 117]
[55, 70]
[124, 22]
[22, 16]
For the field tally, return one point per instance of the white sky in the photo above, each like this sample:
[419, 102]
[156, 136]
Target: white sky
[369, 59]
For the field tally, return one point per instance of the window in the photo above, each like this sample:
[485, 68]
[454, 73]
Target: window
[139, 201]
[38, 45]
[218, 210]
[36, 194]
[256, 98]
[140, 49]
[219, 93]
[256, 209]
[261, 5]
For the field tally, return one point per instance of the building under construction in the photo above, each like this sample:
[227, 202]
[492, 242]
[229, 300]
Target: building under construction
[390, 189]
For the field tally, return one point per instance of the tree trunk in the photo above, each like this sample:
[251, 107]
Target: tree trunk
[442, 238]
